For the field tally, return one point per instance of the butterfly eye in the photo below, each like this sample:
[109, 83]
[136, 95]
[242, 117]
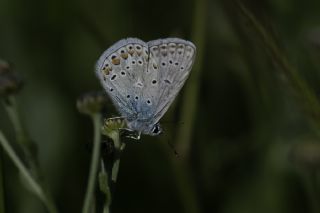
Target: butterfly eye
[154, 81]
[123, 73]
[156, 129]
[140, 62]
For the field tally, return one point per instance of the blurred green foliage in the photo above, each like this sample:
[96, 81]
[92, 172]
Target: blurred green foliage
[251, 121]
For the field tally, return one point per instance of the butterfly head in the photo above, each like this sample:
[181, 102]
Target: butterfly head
[155, 130]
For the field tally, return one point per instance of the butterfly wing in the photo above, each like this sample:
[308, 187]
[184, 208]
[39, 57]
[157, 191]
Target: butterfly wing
[120, 70]
[170, 62]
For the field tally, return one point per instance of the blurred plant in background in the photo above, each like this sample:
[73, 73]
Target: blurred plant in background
[246, 125]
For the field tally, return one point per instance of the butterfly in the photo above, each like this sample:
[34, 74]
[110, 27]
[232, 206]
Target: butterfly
[143, 79]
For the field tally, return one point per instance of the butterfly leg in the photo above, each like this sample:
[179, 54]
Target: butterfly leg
[129, 133]
[116, 118]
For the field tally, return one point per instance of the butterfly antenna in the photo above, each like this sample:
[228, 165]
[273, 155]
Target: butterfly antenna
[173, 122]
[173, 149]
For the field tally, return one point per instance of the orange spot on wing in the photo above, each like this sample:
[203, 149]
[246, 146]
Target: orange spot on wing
[115, 61]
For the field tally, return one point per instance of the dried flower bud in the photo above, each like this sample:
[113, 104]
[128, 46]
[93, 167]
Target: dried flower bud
[91, 102]
[4, 67]
[10, 83]
[113, 124]
[306, 154]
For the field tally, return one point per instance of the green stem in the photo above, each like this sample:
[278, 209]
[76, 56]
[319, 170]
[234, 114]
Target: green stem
[104, 187]
[11, 108]
[2, 196]
[28, 148]
[306, 94]
[23, 139]
[94, 163]
[189, 108]
[106, 209]
[36, 188]
[118, 148]
[190, 98]
[312, 188]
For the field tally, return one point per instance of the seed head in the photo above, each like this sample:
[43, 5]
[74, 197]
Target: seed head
[91, 102]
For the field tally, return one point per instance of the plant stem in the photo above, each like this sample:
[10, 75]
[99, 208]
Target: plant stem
[29, 149]
[115, 163]
[104, 187]
[305, 93]
[11, 108]
[312, 189]
[94, 163]
[36, 188]
[27, 146]
[2, 196]
[189, 105]
[118, 148]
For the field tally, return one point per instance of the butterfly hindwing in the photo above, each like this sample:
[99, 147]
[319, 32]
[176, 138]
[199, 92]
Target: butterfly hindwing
[174, 58]
[120, 70]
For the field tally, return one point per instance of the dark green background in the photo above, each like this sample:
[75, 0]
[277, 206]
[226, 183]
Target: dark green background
[248, 118]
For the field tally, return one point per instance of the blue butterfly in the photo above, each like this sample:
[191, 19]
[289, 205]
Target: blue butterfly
[143, 79]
